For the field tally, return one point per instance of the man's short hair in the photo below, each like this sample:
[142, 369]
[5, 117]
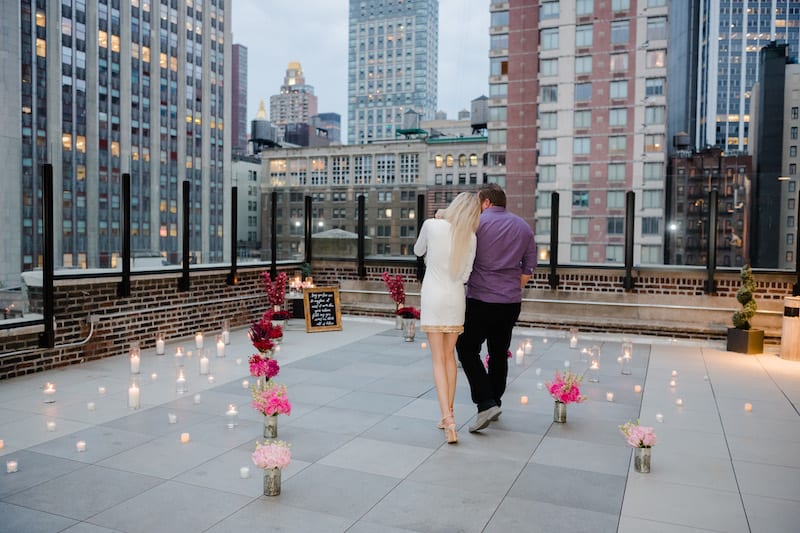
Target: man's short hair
[494, 193]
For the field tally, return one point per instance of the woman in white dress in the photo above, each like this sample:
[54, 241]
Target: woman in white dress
[448, 244]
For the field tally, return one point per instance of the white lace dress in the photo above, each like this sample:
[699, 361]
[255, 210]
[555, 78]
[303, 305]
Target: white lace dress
[443, 298]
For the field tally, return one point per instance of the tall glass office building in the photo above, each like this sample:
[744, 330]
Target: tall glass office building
[733, 32]
[107, 87]
[392, 68]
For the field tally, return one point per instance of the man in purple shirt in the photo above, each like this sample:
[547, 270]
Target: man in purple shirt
[504, 262]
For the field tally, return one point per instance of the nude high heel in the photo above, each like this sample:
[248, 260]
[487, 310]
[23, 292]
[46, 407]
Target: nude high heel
[450, 433]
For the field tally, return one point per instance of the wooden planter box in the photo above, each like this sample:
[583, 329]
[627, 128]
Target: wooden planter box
[749, 341]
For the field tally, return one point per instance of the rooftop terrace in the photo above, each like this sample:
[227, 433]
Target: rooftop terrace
[367, 456]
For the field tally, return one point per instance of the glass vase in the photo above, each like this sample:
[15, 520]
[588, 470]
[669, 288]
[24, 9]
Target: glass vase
[271, 426]
[272, 481]
[409, 329]
[641, 460]
[560, 412]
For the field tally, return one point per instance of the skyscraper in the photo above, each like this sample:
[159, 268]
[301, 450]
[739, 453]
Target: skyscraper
[585, 82]
[392, 67]
[732, 34]
[103, 88]
[239, 98]
[296, 102]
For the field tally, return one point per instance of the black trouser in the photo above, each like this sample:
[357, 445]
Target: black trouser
[493, 323]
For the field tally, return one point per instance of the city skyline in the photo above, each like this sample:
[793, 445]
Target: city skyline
[320, 44]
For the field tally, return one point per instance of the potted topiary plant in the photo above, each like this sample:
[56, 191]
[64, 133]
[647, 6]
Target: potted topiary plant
[742, 337]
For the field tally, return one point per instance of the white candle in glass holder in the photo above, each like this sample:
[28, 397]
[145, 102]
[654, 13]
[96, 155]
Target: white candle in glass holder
[659, 417]
[197, 399]
[748, 407]
[538, 371]
[573, 341]
[211, 379]
[231, 415]
[134, 396]
[135, 362]
[520, 356]
[11, 466]
[172, 417]
[523, 400]
[679, 402]
[609, 396]
[423, 345]
[80, 446]
[198, 340]
[180, 382]
[539, 386]
[184, 438]
[245, 384]
[49, 392]
[566, 364]
[637, 388]
[51, 426]
[101, 390]
[220, 346]
[160, 344]
[2, 444]
[674, 373]
[90, 406]
[226, 336]
[528, 347]
[672, 383]
[244, 472]
[203, 365]
[154, 376]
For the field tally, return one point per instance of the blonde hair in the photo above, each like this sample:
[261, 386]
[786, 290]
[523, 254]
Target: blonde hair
[463, 213]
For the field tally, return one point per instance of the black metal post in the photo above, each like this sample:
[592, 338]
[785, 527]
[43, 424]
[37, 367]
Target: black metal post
[362, 268]
[630, 205]
[420, 221]
[47, 339]
[308, 229]
[711, 250]
[124, 287]
[183, 282]
[273, 234]
[233, 276]
[796, 288]
[554, 214]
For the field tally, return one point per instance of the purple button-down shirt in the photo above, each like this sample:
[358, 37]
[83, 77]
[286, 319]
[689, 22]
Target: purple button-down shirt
[506, 250]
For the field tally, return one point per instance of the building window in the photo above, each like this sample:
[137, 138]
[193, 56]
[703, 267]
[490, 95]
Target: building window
[583, 92]
[548, 147]
[618, 89]
[616, 172]
[579, 253]
[549, 10]
[584, 7]
[656, 28]
[583, 36]
[549, 39]
[792, 169]
[617, 143]
[653, 171]
[620, 31]
[580, 226]
[617, 117]
[793, 133]
[581, 146]
[543, 201]
[656, 58]
[615, 199]
[583, 65]
[548, 67]
[795, 113]
[580, 173]
[548, 121]
[547, 174]
[654, 86]
[654, 115]
[615, 253]
[654, 142]
[793, 151]
[651, 225]
[583, 119]
[580, 198]
[620, 5]
[499, 18]
[615, 225]
[549, 94]
[651, 199]
[619, 62]
[652, 255]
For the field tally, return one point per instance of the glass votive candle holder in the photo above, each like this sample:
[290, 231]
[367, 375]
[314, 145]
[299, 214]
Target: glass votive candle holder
[135, 357]
[134, 393]
[231, 417]
[226, 331]
[220, 346]
[49, 392]
[160, 343]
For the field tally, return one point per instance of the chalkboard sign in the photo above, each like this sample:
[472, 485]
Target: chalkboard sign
[322, 308]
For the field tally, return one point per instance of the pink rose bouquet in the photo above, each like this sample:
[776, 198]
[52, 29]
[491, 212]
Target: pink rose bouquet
[564, 388]
[267, 368]
[638, 436]
[275, 454]
[271, 400]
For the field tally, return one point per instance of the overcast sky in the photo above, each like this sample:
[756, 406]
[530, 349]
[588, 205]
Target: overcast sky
[314, 32]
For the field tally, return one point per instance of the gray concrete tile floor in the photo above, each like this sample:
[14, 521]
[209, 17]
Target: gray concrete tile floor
[367, 456]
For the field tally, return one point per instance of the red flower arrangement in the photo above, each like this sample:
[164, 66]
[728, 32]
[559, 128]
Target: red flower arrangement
[259, 335]
[275, 331]
[276, 290]
[395, 285]
[267, 368]
[408, 312]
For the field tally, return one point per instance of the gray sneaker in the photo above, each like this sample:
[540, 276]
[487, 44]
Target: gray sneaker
[484, 418]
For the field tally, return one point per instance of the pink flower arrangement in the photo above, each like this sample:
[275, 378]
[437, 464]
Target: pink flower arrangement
[276, 290]
[408, 312]
[267, 368]
[395, 285]
[638, 436]
[271, 400]
[564, 387]
[259, 335]
[275, 454]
